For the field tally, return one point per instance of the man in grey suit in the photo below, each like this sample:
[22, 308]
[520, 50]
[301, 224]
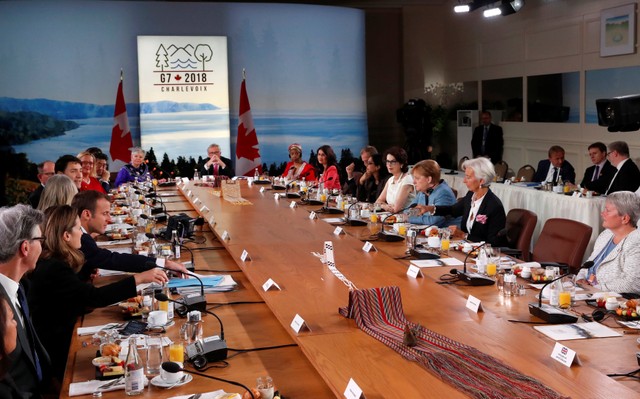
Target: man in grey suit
[20, 246]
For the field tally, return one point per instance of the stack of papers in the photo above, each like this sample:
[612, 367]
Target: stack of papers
[562, 332]
[218, 283]
[437, 262]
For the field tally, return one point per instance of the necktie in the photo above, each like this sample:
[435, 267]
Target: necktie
[215, 169]
[555, 175]
[28, 326]
[596, 173]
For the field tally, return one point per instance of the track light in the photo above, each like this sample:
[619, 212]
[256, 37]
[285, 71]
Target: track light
[492, 12]
[462, 8]
[495, 8]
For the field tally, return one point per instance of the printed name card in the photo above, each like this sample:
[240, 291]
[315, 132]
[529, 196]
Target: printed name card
[212, 221]
[225, 236]
[185, 180]
[313, 215]
[328, 252]
[262, 189]
[293, 204]
[353, 391]
[368, 247]
[338, 231]
[195, 201]
[270, 284]
[276, 196]
[204, 209]
[564, 355]
[414, 271]
[298, 324]
[189, 193]
[474, 304]
[245, 256]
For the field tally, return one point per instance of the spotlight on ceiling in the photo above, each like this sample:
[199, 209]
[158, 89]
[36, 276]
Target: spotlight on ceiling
[511, 7]
[469, 6]
[492, 12]
[494, 7]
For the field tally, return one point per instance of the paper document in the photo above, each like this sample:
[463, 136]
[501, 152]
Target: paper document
[437, 262]
[562, 332]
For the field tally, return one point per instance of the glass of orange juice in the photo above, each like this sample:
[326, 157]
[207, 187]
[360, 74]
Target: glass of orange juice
[564, 299]
[176, 352]
[445, 241]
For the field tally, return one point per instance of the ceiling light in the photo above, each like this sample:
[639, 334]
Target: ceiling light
[462, 8]
[492, 12]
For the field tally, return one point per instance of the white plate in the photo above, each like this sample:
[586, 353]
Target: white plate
[159, 382]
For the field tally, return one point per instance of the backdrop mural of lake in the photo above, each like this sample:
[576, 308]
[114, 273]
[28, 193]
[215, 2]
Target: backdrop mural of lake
[198, 129]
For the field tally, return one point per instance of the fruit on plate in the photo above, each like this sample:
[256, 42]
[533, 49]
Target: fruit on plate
[632, 304]
[111, 349]
[601, 301]
[112, 370]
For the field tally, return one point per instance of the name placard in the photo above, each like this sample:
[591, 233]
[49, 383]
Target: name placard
[338, 231]
[313, 215]
[298, 324]
[276, 196]
[195, 201]
[564, 355]
[262, 189]
[189, 193]
[225, 236]
[212, 221]
[353, 391]
[414, 271]
[293, 204]
[204, 209]
[328, 252]
[269, 284]
[368, 247]
[474, 304]
[245, 256]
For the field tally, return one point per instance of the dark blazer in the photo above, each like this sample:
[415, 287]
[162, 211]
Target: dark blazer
[491, 207]
[23, 369]
[566, 171]
[606, 174]
[58, 297]
[226, 171]
[493, 146]
[627, 179]
[9, 389]
[96, 257]
[34, 197]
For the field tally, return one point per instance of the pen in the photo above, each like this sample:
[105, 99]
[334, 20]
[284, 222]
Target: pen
[631, 331]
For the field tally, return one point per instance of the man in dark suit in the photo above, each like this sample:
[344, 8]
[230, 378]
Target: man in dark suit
[93, 209]
[550, 170]
[487, 139]
[45, 171]
[627, 175]
[217, 165]
[20, 247]
[601, 168]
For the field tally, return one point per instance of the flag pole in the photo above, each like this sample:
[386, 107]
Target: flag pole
[121, 74]
[244, 74]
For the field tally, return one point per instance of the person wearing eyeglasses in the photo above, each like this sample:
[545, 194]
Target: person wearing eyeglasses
[58, 297]
[89, 181]
[398, 192]
[373, 180]
[20, 246]
[626, 176]
[616, 253]
[46, 169]
[217, 165]
[482, 211]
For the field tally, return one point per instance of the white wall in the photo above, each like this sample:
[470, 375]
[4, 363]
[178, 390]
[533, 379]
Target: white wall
[544, 37]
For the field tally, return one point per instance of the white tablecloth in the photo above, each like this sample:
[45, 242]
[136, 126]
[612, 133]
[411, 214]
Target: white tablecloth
[545, 204]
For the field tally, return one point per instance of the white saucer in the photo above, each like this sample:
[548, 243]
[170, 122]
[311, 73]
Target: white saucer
[159, 382]
[169, 324]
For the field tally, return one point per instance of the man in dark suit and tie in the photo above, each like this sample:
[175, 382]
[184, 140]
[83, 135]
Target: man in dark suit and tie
[626, 176]
[217, 165]
[487, 139]
[46, 169]
[601, 168]
[20, 246]
[550, 170]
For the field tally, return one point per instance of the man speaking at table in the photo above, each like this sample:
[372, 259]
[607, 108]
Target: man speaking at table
[93, 209]
[550, 170]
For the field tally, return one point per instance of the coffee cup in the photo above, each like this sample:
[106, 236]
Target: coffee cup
[466, 248]
[157, 318]
[526, 272]
[171, 378]
[433, 242]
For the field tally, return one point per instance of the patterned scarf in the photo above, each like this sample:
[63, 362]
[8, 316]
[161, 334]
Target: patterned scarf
[379, 313]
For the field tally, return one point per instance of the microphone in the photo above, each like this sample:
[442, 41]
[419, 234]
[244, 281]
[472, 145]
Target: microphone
[470, 278]
[549, 313]
[392, 237]
[213, 349]
[419, 251]
[191, 301]
[172, 367]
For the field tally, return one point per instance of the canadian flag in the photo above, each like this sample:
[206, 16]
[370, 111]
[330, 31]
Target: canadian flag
[247, 151]
[121, 141]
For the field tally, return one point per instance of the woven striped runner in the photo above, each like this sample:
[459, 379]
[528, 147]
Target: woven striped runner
[379, 313]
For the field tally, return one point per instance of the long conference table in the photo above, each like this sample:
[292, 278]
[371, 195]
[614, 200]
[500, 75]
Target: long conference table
[280, 241]
[545, 204]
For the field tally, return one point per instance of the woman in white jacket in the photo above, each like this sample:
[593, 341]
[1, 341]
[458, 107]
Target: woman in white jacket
[616, 254]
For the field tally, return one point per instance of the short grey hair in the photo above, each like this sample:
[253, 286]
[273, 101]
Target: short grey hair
[626, 203]
[620, 147]
[135, 150]
[482, 169]
[17, 224]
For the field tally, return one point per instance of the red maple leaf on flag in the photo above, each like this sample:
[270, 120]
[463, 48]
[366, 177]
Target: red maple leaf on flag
[247, 147]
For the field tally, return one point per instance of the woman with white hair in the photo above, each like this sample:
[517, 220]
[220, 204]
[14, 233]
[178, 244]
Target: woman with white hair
[136, 170]
[482, 212]
[616, 253]
[60, 190]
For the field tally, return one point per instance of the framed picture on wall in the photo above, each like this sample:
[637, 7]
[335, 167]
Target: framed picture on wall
[617, 30]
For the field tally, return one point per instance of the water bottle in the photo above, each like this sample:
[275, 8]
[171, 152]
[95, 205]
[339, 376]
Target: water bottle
[256, 175]
[196, 175]
[175, 245]
[134, 370]
[191, 330]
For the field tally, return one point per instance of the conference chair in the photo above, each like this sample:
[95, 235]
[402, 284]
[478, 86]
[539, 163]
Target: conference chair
[519, 229]
[527, 171]
[501, 170]
[562, 241]
[461, 161]
[510, 174]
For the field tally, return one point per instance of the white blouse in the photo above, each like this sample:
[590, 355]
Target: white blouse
[393, 188]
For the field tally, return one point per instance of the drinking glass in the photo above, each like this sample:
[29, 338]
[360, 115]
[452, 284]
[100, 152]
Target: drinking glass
[445, 241]
[265, 387]
[176, 352]
[154, 353]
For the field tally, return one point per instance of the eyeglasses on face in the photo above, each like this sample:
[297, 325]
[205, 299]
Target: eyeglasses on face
[388, 162]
